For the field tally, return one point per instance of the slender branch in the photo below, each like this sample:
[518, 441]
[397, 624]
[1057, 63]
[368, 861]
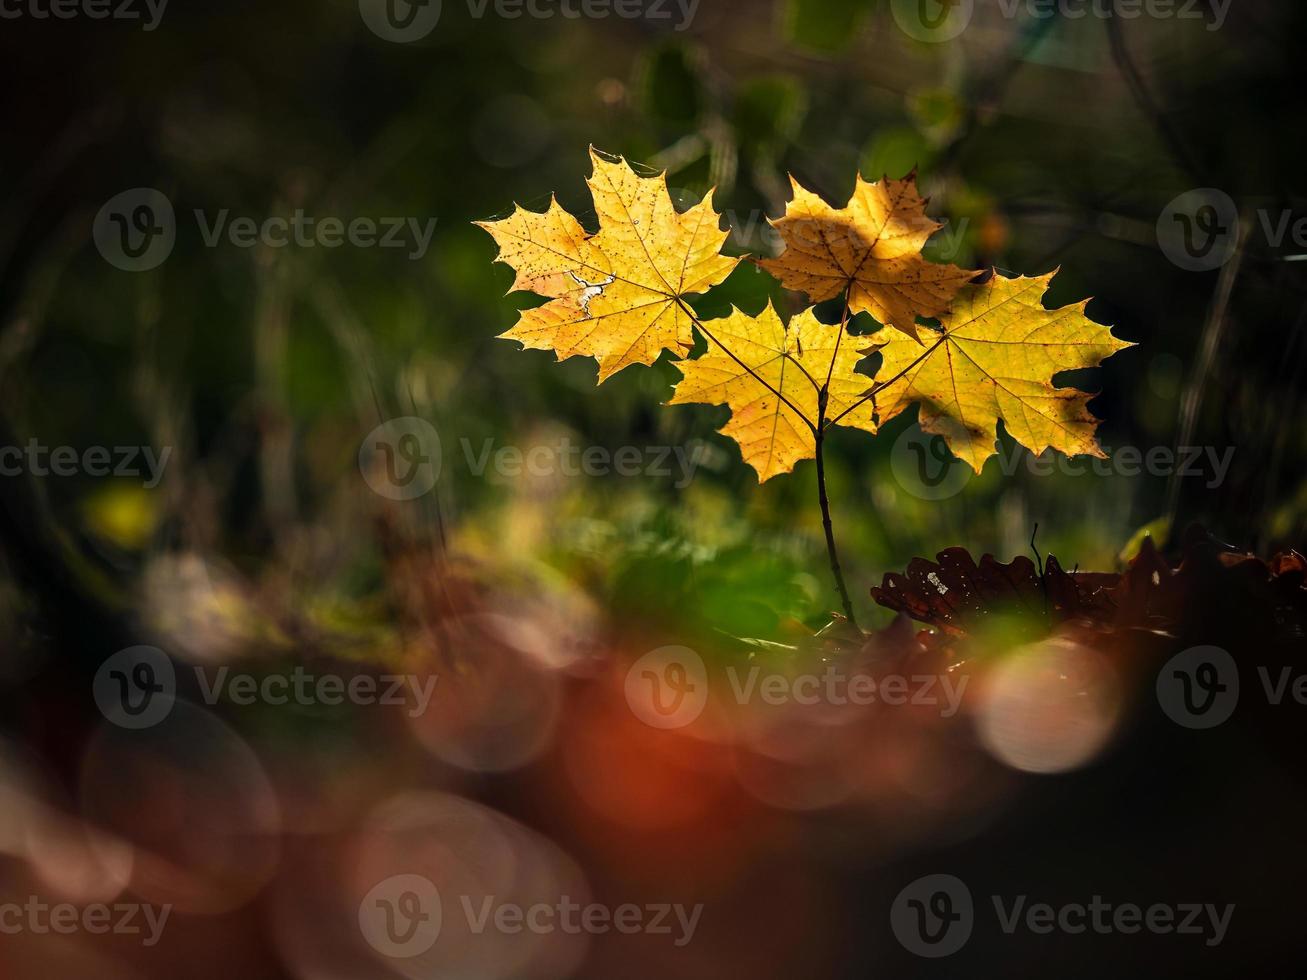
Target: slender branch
[823, 395]
[1192, 403]
[826, 521]
[1143, 98]
[799, 364]
[844, 325]
[819, 437]
[877, 388]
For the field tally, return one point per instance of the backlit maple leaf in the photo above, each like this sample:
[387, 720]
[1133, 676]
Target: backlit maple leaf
[872, 248]
[616, 295]
[752, 360]
[995, 358]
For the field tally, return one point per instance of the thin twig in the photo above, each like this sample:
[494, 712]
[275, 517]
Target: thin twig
[1143, 98]
[819, 439]
[1212, 330]
[823, 394]
[826, 521]
[877, 388]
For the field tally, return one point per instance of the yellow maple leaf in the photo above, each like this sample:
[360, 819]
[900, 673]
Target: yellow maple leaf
[750, 361]
[871, 247]
[995, 358]
[617, 295]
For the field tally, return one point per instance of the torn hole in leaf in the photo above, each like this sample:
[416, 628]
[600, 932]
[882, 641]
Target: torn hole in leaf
[591, 290]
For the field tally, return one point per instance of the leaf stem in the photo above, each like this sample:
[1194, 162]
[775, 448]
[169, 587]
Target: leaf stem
[889, 381]
[819, 436]
[756, 376]
[825, 517]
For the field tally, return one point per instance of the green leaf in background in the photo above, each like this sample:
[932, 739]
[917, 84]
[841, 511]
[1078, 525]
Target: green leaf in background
[670, 87]
[768, 111]
[823, 25]
[893, 152]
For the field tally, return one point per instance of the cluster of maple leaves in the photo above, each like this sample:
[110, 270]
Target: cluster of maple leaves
[620, 296]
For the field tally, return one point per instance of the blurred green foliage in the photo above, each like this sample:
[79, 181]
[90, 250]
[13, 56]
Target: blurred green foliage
[264, 368]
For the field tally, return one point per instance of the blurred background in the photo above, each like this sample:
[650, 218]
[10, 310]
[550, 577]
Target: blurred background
[236, 517]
